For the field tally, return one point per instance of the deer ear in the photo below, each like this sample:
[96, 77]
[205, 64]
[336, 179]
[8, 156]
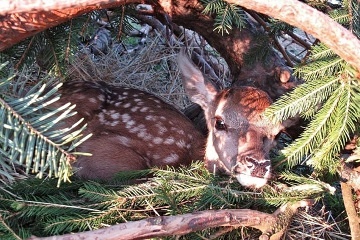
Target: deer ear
[200, 90]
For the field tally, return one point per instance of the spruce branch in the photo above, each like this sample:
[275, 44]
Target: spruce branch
[320, 51]
[303, 98]
[318, 129]
[342, 126]
[227, 15]
[29, 137]
[4, 227]
[321, 68]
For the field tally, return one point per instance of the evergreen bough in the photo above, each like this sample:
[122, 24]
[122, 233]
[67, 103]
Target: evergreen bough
[31, 136]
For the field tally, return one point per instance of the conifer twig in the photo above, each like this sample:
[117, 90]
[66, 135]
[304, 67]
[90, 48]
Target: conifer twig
[272, 226]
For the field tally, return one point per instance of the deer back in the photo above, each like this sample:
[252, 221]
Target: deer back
[132, 130]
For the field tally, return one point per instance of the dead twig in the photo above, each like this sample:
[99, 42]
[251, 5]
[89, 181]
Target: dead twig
[272, 226]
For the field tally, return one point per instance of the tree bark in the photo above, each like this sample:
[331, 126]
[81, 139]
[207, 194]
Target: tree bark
[29, 20]
[300, 15]
[19, 17]
[350, 210]
[18, 6]
[271, 225]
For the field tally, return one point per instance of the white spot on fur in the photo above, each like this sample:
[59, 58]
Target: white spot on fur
[101, 97]
[144, 109]
[169, 141]
[125, 117]
[162, 128]
[115, 115]
[130, 124]
[93, 100]
[181, 143]
[181, 132]
[101, 117]
[126, 105]
[113, 124]
[157, 140]
[151, 118]
[171, 159]
[134, 109]
[142, 134]
[147, 138]
[134, 129]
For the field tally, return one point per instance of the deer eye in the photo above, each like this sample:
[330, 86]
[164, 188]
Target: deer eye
[220, 124]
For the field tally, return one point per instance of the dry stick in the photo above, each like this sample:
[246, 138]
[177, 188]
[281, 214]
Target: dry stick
[17, 6]
[350, 210]
[271, 225]
[300, 15]
[283, 52]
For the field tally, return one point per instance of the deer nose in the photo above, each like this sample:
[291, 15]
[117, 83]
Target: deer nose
[258, 168]
[253, 172]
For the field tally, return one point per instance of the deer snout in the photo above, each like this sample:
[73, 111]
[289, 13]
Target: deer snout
[251, 172]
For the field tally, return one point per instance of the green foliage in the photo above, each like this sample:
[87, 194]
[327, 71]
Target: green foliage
[260, 50]
[227, 15]
[277, 27]
[329, 98]
[80, 206]
[29, 135]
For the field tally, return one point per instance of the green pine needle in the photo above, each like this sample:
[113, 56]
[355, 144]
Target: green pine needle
[227, 15]
[305, 97]
[29, 135]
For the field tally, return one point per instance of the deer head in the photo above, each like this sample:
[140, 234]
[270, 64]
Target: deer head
[239, 138]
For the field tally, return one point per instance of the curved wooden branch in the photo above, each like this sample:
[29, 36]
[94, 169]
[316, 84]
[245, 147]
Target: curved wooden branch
[18, 6]
[29, 19]
[271, 225]
[300, 15]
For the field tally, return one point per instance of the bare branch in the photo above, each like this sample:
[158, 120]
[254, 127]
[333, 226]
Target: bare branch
[271, 225]
[350, 210]
[300, 15]
[18, 6]
[16, 26]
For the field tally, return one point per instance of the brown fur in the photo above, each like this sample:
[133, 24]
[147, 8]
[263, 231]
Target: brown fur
[132, 130]
[239, 136]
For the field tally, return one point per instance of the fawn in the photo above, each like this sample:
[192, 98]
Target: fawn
[135, 130]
